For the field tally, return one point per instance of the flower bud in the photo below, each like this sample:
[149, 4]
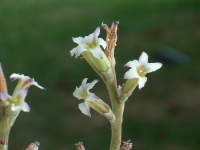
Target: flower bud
[128, 88]
[103, 108]
[80, 146]
[99, 65]
[33, 146]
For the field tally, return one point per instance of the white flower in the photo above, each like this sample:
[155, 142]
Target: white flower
[17, 99]
[140, 68]
[83, 93]
[89, 43]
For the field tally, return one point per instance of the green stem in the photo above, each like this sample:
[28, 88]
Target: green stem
[7, 118]
[118, 110]
[4, 131]
[116, 127]
[110, 80]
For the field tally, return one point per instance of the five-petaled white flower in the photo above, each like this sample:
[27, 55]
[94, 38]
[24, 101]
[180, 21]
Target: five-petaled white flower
[89, 43]
[83, 93]
[140, 68]
[17, 99]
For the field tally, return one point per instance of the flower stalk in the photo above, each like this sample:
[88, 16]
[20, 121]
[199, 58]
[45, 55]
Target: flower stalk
[90, 47]
[111, 84]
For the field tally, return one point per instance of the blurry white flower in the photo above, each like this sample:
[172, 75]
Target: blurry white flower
[17, 99]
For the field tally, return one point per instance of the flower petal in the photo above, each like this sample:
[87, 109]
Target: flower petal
[84, 82]
[85, 109]
[15, 76]
[73, 51]
[97, 32]
[91, 97]
[97, 52]
[21, 94]
[5, 97]
[141, 82]
[143, 58]
[102, 42]
[78, 40]
[131, 73]
[91, 85]
[24, 107]
[31, 81]
[78, 93]
[24, 81]
[153, 67]
[132, 64]
[77, 51]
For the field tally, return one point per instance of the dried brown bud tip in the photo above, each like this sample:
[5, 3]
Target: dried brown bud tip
[126, 145]
[80, 146]
[111, 39]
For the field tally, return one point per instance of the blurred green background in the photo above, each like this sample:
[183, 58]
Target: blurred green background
[35, 40]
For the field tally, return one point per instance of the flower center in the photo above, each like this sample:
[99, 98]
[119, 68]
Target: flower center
[92, 44]
[141, 71]
[15, 101]
[84, 95]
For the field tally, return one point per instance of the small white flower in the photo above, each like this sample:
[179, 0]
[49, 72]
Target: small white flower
[83, 93]
[140, 68]
[17, 99]
[89, 43]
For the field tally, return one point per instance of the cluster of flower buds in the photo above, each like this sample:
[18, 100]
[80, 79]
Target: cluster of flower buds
[90, 47]
[17, 100]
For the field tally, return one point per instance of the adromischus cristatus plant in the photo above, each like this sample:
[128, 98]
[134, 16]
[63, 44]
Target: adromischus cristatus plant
[100, 55]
